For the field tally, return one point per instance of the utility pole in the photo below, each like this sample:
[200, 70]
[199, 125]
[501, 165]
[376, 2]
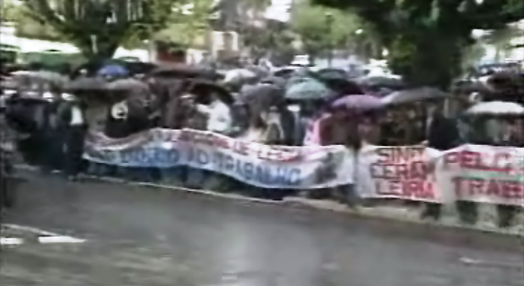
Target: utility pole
[329, 24]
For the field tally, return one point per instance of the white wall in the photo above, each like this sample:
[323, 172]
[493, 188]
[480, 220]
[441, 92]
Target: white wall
[29, 45]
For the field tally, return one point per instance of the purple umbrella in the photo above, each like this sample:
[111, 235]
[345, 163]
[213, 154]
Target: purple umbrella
[358, 102]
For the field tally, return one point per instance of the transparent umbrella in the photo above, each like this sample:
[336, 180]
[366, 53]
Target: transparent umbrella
[413, 95]
[496, 108]
[308, 90]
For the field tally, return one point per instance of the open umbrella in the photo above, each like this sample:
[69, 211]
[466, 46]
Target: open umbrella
[414, 95]
[285, 72]
[86, 84]
[496, 108]
[308, 90]
[358, 102]
[184, 71]
[332, 73]
[127, 84]
[43, 77]
[112, 70]
[277, 81]
[240, 76]
[204, 88]
[380, 81]
[262, 96]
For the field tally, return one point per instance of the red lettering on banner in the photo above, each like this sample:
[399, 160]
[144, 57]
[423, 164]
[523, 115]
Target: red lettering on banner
[240, 147]
[402, 172]
[409, 189]
[499, 162]
[221, 142]
[503, 189]
[399, 154]
[263, 152]
[405, 171]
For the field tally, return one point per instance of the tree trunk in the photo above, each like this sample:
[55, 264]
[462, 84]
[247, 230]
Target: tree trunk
[104, 47]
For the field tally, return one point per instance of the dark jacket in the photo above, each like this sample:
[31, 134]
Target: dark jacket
[443, 133]
[65, 112]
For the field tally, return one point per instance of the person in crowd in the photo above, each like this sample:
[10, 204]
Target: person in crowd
[305, 115]
[191, 116]
[75, 126]
[7, 134]
[514, 133]
[442, 132]
[218, 115]
[51, 135]
[369, 129]
[116, 123]
[264, 126]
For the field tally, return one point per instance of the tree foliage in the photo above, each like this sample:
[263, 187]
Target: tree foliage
[321, 28]
[275, 37]
[10, 12]
[187, 23]
[98, 27]
[426, 39]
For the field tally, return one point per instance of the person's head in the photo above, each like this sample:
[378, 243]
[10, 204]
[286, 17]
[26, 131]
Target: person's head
[369, 129]
[308, 108]
[120, 110]
[188, 102]
[435, 108]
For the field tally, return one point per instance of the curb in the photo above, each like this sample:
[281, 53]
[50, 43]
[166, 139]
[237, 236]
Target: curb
[379, 221]
[34, 236]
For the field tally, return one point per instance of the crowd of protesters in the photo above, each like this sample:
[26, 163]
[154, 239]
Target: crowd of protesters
[291, 106]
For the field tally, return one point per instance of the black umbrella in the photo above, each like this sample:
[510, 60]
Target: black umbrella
[274, 80]
[127, 85]
[332, 73]
[206, 87]
[86, 84]
[262, 96]
[183, 71]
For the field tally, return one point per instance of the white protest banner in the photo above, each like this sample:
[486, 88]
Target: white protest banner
[483, 174]
[403, 172]
[252, 163]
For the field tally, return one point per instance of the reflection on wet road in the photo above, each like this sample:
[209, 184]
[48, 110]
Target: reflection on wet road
[138, 236]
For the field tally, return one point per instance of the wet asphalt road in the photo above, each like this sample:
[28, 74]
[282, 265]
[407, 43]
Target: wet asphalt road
[140, 236]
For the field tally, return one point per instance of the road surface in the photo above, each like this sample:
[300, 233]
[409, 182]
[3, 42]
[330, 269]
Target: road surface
[139, 236]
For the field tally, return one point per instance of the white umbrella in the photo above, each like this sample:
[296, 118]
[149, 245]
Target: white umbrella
[239, 75]
[496, 108]
[22, 73]
[413, 95]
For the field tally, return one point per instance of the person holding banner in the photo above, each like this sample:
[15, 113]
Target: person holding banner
[75, 128]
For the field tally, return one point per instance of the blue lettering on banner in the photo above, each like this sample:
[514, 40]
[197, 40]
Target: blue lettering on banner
[150, 157]
[263, 173]
[198, 156]
[202, 157]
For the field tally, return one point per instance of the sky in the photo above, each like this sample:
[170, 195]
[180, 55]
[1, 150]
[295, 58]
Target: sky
[279, 10]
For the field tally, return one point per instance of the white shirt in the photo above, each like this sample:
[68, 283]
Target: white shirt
[219, 119]
[76, 116]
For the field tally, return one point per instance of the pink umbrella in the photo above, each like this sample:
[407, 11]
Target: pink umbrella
[358, 102]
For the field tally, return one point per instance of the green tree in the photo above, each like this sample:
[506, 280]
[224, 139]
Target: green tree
[99, 27]
[427, 39]
[322, 28]
[186, 25]
[10, 12]
[275, 38]
[500, 39]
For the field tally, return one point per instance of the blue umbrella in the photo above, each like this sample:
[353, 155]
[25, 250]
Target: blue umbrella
[113, 70]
